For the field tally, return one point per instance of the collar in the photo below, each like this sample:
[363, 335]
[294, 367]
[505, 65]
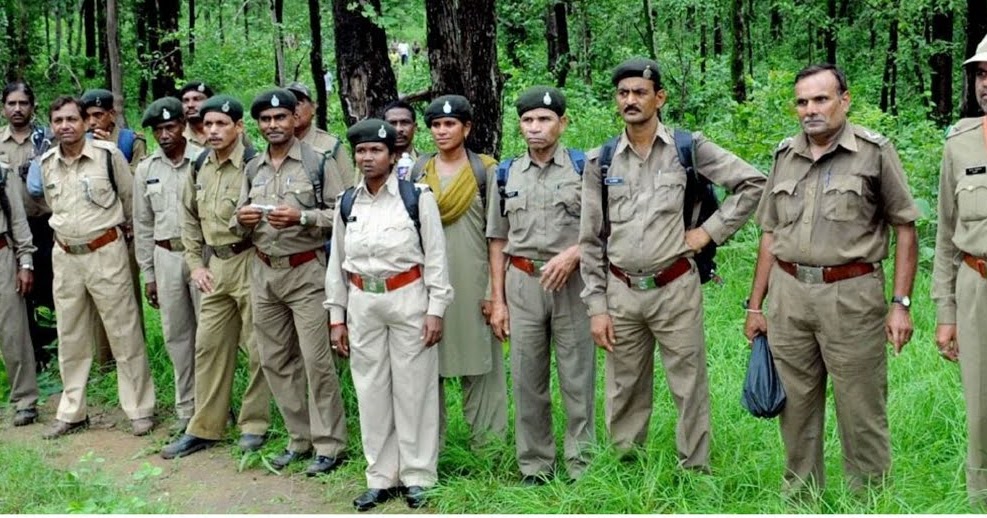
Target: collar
[390, 185]
[236, 156]
[845, 139]
[8, 134]
[191, 153]
[294, 152]
[558, 158]
[88, 150]
[661, 132]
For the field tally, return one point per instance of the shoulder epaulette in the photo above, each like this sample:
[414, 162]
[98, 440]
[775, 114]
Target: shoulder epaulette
[963, 126]
[424, 187]
[593, 154]
[870, 136]
[49, 153]
[103, 144]
[784, 144]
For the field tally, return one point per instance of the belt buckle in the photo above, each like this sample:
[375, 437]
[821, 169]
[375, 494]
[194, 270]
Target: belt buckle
[809, 274]
[280, 262]
[643, 282]
[78, 249]
[374, 284]
[538, 264]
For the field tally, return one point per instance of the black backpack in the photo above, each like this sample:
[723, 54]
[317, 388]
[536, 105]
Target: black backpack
[699, 204]
[409, 197]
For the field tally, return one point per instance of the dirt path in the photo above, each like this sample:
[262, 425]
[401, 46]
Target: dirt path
[206, 482]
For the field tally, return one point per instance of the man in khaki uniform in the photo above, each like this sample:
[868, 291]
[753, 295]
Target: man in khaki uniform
[959, 279]
[387, 289]
[17, 148]
[320, 140]
[533, 227]
[645, 287]
[286, 215]
[225, 320]
[469, 350]
[16, 280]
[158, 185]
[89, 188]
[834, 190]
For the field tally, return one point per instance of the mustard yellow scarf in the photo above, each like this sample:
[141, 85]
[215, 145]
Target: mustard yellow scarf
[457, 197]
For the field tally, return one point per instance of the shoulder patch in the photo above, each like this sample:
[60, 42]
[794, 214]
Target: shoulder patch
[50, 153]
[594, 153]
[870, 136]
[103, 144]
[963, 126]
[784, 144]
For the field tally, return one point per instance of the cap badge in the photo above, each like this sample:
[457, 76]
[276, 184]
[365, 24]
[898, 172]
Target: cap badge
[98, 101]
[447, 108]
[275, 102]
[382, 133]
[547, 99]
[165, 114]
[225, 107]
[647, 72]
[201, 87]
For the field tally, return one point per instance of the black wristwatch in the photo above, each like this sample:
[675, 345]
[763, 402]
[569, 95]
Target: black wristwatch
[903, 301]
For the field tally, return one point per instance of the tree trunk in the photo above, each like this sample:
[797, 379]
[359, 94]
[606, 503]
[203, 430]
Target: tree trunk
[141, 46]
[89, 26]
[829, 31]
[976, 28]
[191, 31]
[246, 20]
[557, 37]
[703, 49]
[102, 44]
[587, 48]
[462, 55]
[737, 59]
[366, 79]
[19, 36]
[890, 78]
[649, 30]
[315, 61]
[776, 23]
[222, 31]
[113, 50]
[170, 65]
[277, 18]
[717, 36]
[749, 36]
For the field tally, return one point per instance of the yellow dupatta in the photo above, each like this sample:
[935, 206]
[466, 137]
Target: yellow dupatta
[457, 197]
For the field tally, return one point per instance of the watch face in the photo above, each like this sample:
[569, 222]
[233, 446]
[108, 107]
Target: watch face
[906, 301]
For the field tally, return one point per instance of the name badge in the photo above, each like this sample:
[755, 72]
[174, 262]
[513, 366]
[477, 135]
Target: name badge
[513, 194]
[351, 219]
[972, 171]
[613, 180]
[198, 187]
[152, 181]
[263, 181]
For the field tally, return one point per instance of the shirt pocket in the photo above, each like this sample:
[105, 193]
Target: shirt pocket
[786, 201]
[669, 192]
[516, 209]
[621, 203]
[156, 197]
[258, 194]
[842, 198]
[971, 199]
[567, 204]
[303, 195]
[398, 238]
[99, 191]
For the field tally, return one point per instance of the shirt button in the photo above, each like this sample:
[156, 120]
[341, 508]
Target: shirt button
[802, 249]
[809, 192]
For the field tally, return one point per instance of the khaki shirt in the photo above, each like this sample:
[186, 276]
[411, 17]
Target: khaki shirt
[323, 142]
[290, 185]
[646, 195]
[158, 187]
[139, 150]
[14, 154]
[17, 231]
[380, 240]
[82, 199]
[542, 207]
[835, 210]
[210, 201]
[962, 211]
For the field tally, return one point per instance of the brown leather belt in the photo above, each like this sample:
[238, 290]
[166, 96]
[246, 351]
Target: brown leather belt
[228, 251]
[979, 265]
[825, 274]
[526, 265]
[108, 237]
[378, 285]
[171, 245]
[649, 282]
[3, 241]
[286, 261]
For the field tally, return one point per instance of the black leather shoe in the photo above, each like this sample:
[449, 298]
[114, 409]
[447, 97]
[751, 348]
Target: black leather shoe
[373, 496]
[186, 445]
[61, 428]
[323, 465]
[282, 461]
[534, 480]
[415, 496]
[25, 417]
[251, 441]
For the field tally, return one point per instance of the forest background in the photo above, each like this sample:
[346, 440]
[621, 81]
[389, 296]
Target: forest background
[728, 66]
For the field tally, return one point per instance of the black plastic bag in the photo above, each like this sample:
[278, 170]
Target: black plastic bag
[764, 395]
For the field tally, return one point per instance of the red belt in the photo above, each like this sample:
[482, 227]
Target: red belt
[979, 265]
[108, 237]
[287, 261]
[376, 285]
[526, 265]
[825, 274]
[646, 282]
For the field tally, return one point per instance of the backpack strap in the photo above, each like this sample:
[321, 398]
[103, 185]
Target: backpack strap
[314, 164]
[606, 158]
[125, 142]
[503, 173]
[410, 193]
[5, 200]
[418, 169]
[480, 175]
[110, 170]
[684, 150]
[199, 161]
[578, 159]
[346, 204]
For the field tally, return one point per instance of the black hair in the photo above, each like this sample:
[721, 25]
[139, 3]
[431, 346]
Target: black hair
[812, 70]
[399, 104]
[18, 86]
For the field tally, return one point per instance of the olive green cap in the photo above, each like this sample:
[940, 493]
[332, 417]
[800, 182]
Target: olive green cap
[197, 86]
[300, 90]
[165, 109]
[276, 98]
[98, 98]
[223, 104]
[372, 130]
[638, 67]
[541, 97]
[455, 106]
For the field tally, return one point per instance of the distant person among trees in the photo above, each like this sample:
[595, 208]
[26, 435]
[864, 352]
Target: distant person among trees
[959, 279]
[637, 260]
[404, 51]
[834, 192]
[533, 227]
[158, 185]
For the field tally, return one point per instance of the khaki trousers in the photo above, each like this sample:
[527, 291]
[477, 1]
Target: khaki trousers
[226, 326]
[971, 328]
[87, 287]
[104, 356]
[672, 315]
[484, 401]
[179, 304]
[396, 380]
[15, 338]
[538, 318]
[834, 330]
[292, 336]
